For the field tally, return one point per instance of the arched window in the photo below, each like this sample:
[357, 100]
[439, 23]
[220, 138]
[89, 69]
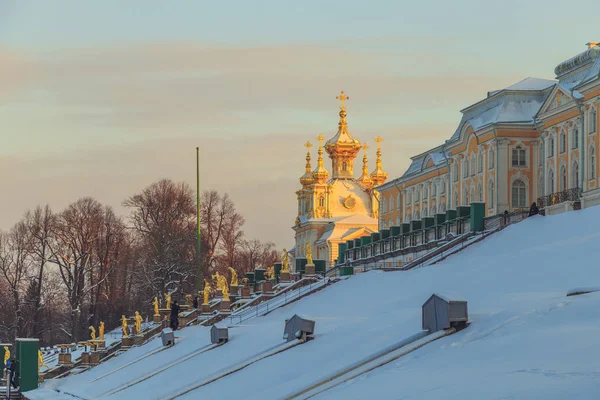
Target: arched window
[321, 201]
[425, 193]
[491, 198]
[391, 204]
[472, 197]
[434, 188]
[384, 207]
[472, 167]
[344, 166]
[542, 186]
[455, 172]
[455, 199]
[575, 139]
[398, 203]
[593, 120]
[465, 166]
[563, 178]
[551, 181]
[519, 194]
[563, 141]
[491, 158]
[575, 182]
[518, 157]
[480, 191]
[480, 163]
[551, 146]
[466, 196]
[592, 173]
[541, 154]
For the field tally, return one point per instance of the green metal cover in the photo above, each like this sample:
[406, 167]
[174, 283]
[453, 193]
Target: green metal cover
[277, 266]
[415, 225]
[250, 276]
[2, 352]
[375, 236]
[405, 228]
[345, 271]
[319, 265]
[301, 265]
[396, 230]
[450, 215]
[27, 363]
[357, 242]
[349, 244]
[259, 275]
[477, 217]
[463, 211]
[427, 222]
[364, 240]
[341, 252]
[385, 233]
[440, 218]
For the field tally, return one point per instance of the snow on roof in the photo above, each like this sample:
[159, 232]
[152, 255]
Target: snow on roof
[449, 296]
[531, 84]
[419, 163]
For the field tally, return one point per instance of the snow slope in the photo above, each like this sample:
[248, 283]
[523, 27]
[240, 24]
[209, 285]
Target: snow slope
[527, 340]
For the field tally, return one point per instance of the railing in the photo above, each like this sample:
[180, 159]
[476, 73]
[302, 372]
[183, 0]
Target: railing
[500, 221]
[559, 197]
[281, 300]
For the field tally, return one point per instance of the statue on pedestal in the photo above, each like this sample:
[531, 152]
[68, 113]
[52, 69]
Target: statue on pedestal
[225, 290]
[245, 282]
[168, 300]
[206, 292]
[234, 277]
[155, 304]
[309, 255]
[217, 278]
[138, 323]
[101, 329]
[285, 262]
[41, 362]
[6, 354]
[124, 326]
[188, 299]
[92, 333]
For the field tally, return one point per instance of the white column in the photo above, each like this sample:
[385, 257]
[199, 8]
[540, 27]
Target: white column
[556, 172]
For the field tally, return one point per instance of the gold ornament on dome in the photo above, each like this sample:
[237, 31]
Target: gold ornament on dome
[297, 221]
[349, 202]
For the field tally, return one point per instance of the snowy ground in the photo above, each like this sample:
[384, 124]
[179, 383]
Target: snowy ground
[527, 340]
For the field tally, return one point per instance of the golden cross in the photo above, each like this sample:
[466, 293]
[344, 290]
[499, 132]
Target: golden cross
[342, 97]
[365, 146]
[308, 145]
[378, 139]
[320, 138]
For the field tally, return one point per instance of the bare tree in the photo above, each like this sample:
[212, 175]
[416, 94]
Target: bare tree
[257, 254]
[163, 217]
[216, 213]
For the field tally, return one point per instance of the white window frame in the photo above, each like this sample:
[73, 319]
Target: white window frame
[491, 159]
[562, 142]
[521, 157]
[592, 165]
[519, 193]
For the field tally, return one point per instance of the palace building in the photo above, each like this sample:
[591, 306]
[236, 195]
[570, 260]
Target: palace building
[533, 141]
[336, 207]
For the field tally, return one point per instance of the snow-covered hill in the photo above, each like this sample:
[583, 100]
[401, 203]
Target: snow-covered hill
[527, 340]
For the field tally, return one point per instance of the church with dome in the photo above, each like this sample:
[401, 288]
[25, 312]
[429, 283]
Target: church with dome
[336, 207]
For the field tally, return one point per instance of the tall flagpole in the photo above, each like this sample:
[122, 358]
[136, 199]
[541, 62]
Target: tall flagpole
[198, 257]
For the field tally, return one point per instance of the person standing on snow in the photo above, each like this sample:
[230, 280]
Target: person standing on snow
[195, 303]
[174, 316]
[533, 210]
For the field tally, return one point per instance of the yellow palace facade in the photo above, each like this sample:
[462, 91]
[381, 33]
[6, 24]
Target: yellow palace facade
[533, 141]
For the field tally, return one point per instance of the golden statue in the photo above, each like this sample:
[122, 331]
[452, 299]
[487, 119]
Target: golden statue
[124, 326]
[6, 354]
[285, 262]
[188, 299]
[271, 272]
[168, 300]
[41, 362]
[309, 259]
[225, 290]
[217, 278]
[138, 323]
[222, 281]
[92, 332]
[101, 330]
[206, 292]
[155, 304]
[234, 277]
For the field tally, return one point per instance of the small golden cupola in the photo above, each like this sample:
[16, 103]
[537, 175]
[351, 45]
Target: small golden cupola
[307, 179]
[320, 174]
[365, 178]
[343, 148]
[378, 176]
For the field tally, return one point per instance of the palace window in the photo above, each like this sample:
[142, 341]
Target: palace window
[465, 166]
[491, 159]
[551, 181]
[550, 146]
[321, 201]
[563, 142]
[542, 186]
[480, 190]
[408, 198]
[384, 206]
[434, 189]
[575, 183]
[518, 157]
[541, 150]
[417, 195]
[593, 121]
[425, 193]
[592, 173]
[391, 204]
[443, 187]
[442, 208]
[455, 199]
[563, 178]
[472, 167]
[519, 194]
[575, 139]
[344, 166]
[398, 202]
[491, 193]
[455, 172]
[472, 197]
[480, 163]
[466, 196]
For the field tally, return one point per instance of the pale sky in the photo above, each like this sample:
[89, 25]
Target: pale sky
[103, 98]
